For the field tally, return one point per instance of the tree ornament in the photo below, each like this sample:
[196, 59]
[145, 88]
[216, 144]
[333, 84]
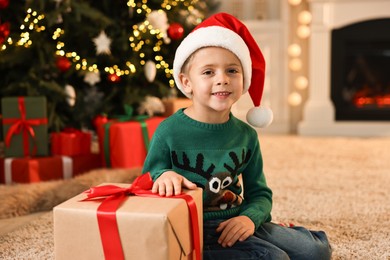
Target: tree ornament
[150, 71]
[92, 78]
[63, 64]
[4, 4]
[102, 43]
[4, 31]
[151, 106]
[113, 78]
[159, 20]
[175, 31]
[71, 95]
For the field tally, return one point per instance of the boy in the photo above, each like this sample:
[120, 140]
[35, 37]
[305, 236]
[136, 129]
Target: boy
[204, 145]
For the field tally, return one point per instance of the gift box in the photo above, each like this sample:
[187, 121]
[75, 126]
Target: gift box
[70, 142]
[25, 126]
[149, 228]
[125, 144]
[30, 170]
[174, 104]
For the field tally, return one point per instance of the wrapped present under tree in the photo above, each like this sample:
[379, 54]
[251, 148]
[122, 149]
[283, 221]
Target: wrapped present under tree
[25, 126]
[30, 170]
[124, 140]
[70, 142]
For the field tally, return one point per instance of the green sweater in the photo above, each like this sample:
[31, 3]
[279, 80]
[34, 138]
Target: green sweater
[213, 156]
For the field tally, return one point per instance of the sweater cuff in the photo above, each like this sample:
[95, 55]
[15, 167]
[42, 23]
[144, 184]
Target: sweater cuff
[158, 173]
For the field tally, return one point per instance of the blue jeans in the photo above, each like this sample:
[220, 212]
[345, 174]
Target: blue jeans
[270, 241]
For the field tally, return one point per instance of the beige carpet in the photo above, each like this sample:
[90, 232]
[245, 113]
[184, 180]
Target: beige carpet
[339, 185]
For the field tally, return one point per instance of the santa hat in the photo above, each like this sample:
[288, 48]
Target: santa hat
[226, 31]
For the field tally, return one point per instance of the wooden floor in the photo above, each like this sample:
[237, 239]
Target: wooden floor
[10, 224]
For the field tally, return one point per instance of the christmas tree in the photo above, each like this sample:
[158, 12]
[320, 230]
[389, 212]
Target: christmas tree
[92, 57]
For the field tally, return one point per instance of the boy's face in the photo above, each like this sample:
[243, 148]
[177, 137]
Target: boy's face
[214, 77]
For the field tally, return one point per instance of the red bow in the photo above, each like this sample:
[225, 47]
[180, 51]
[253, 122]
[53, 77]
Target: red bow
[113, 197]
[23, 125]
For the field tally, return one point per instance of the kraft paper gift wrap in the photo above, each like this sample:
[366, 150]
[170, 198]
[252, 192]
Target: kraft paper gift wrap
[149, 228]
[172, 105]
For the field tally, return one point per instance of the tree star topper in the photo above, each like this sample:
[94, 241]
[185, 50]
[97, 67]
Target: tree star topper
[102, 43]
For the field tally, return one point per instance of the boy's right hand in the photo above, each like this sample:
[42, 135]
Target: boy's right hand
[171, 183]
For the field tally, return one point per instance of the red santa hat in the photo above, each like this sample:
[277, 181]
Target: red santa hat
[226, 31]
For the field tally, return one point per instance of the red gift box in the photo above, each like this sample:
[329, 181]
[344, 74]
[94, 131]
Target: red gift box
[29, 170]
[122, 144]
[71, 142]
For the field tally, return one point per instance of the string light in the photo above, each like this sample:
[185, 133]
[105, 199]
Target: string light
[57, 33]
[30, 24]
[33, 19]
[294, 2]
[303, 31]
[295, 64]
[294, 99]
[131, 3]
[294, 50]
[301, 82]
[304, 17]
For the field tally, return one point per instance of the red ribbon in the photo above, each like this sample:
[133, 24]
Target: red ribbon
[114, 196]
[23, 125]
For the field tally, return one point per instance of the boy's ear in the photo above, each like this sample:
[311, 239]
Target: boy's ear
[186, 83]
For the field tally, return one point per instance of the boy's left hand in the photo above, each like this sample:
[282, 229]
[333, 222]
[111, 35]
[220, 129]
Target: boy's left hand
[235, 229]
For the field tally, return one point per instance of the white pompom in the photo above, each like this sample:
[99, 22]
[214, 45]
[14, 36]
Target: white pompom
[260, 116]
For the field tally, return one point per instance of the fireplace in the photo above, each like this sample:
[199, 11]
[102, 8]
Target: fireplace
[360, 71]
[348, 56]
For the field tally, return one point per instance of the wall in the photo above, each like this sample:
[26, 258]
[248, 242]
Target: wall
[272, 24]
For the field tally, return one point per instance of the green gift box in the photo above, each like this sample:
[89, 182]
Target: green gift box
[25, 128]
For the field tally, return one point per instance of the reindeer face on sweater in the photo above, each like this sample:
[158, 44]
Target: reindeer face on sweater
[222, 189]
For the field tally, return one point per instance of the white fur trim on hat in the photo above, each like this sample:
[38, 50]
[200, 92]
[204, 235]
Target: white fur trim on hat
[212, 36]
[260, 116]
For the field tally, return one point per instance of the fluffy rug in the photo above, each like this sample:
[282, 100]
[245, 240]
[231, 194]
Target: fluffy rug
[22, 199]
[339, 185]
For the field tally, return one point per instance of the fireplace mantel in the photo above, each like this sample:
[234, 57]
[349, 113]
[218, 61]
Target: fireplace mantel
[319, 114]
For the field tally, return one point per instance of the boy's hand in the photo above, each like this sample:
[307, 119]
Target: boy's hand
[170, 183]
[235, 229]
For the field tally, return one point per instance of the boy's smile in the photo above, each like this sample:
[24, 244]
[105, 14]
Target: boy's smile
[214, 77]
[221, 94]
